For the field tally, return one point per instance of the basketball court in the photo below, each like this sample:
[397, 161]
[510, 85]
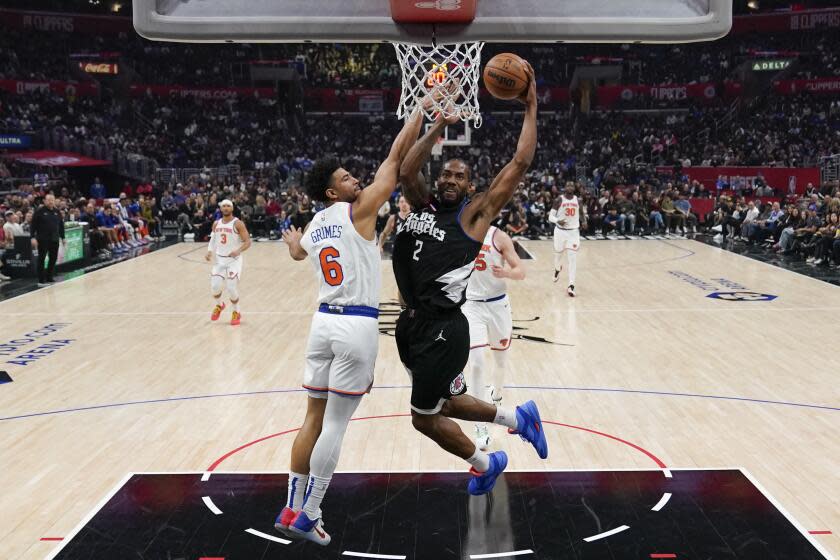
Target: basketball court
[690, 397]
[689, 394]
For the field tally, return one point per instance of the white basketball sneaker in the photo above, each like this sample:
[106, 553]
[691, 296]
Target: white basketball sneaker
[495, 396]
[482, 437]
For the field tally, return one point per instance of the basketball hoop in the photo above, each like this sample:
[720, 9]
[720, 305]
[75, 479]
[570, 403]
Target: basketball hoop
[447, 74]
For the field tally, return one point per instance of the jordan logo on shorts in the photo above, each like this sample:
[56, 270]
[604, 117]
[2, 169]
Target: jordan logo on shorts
[440, 336]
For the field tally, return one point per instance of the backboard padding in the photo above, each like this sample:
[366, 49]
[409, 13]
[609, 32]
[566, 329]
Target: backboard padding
[370, 21]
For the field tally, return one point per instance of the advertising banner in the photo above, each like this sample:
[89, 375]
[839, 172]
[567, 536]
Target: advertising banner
[69, 89]
[816, 85]
[65, 22]
[804, 21]
[199, 92]
[607, 96]
[785, 180]
[15, 141]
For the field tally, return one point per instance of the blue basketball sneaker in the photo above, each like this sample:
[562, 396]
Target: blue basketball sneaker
[530, 427]
[309, 529]
[481, 483]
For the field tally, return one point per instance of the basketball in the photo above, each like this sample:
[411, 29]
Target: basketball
[505, 76]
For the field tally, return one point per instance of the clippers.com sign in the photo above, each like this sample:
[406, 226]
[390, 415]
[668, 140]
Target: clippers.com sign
[99, 67]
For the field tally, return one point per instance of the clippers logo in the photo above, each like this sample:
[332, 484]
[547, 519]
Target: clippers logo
[742, 296]
[440, 5]
[458, 385]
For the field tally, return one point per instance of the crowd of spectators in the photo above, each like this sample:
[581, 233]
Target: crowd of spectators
[808, 226]
[611, 146]
[375, 65]
[612, 155]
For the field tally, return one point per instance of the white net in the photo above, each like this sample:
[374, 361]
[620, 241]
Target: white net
[446, 76]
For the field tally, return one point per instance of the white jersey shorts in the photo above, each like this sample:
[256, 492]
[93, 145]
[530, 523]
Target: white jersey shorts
[228, 268]
[566, 239]
[341, 355]
[491, 323]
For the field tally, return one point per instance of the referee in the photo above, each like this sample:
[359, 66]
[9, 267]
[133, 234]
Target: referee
[46, 230]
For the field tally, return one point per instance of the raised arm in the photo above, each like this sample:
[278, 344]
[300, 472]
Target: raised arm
[486, 206]
[415, 189]
[367, 205]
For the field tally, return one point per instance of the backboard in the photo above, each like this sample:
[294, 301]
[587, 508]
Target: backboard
[422, 21]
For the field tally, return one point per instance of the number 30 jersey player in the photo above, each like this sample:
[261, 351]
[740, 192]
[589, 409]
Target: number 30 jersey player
[566, 218]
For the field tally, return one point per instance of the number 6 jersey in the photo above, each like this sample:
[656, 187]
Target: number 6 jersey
[347, 264]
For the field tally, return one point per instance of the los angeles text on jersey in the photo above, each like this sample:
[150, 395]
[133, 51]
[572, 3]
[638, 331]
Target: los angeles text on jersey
[326, 232]
[422, 224]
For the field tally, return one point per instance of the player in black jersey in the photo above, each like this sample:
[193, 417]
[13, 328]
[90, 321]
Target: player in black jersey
[433, 258]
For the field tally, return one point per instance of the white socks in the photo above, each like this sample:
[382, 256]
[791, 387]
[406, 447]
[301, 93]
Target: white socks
[572, 256]
[505, 417]
[480, 460]
[297, 489]
[235, 305]
[315, 492]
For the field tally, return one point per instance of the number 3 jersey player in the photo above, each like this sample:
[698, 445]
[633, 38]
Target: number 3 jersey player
[433, 258]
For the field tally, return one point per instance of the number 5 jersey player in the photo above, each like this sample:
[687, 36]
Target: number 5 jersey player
[433, 258]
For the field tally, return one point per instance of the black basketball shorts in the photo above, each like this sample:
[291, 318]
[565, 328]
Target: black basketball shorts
[434, 350]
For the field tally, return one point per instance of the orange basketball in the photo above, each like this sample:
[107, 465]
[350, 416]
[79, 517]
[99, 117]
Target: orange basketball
[505, 77]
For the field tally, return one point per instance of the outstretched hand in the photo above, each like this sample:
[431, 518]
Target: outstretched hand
[529, 96]
[439, 92]
[292, 235]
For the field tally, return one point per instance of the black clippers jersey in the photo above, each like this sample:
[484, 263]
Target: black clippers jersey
[433, 259]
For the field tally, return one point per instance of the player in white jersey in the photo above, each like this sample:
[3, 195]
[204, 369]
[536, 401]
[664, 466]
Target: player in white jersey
[229, 238]
[566, 217]
[340, 241]
[487, 310]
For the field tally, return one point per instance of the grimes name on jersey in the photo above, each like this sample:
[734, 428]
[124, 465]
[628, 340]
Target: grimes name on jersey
[423, 223]
[325, 232]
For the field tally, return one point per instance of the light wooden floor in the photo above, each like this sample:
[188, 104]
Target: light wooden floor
[141, 332]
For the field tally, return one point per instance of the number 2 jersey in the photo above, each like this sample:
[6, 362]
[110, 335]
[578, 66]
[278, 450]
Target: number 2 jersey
[347, 264]
[433, 258]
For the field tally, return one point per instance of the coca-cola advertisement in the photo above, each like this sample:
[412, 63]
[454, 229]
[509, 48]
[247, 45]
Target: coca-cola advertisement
[111, 68]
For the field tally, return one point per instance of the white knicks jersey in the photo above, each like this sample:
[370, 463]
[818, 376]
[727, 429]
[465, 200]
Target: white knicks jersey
[347, 264]
[569, 211]
[483, 285]
[227, 238]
